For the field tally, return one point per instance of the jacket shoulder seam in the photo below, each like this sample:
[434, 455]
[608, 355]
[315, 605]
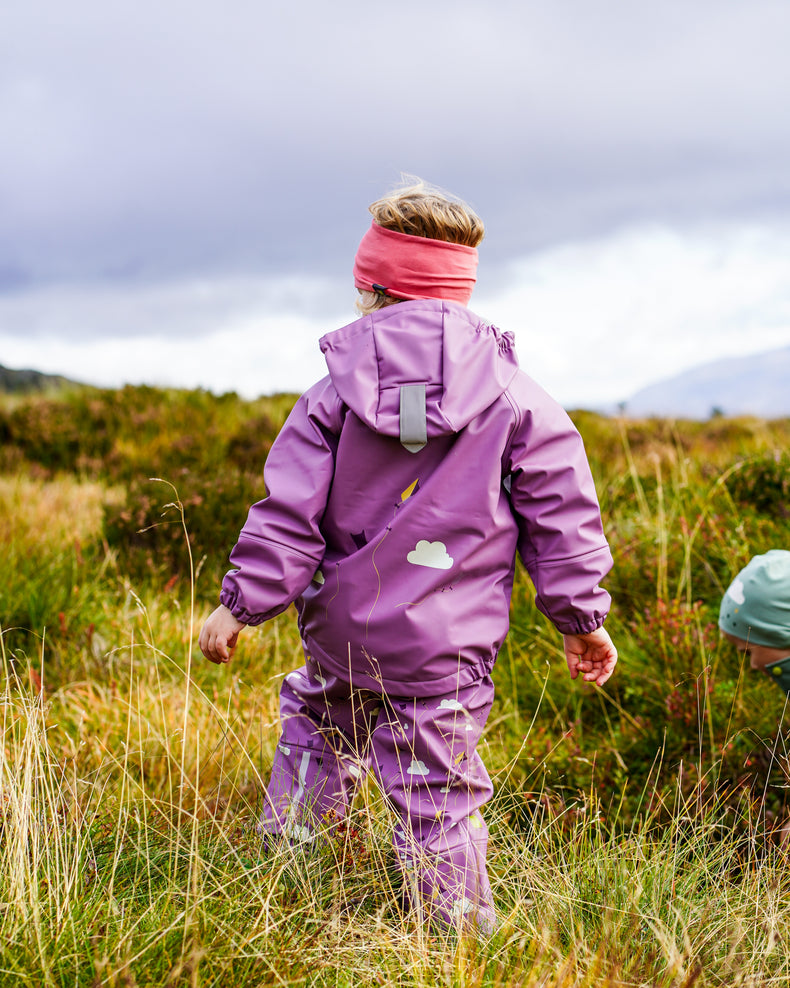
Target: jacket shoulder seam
[517, 419]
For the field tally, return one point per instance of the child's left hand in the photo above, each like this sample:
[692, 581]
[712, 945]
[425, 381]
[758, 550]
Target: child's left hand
[593, 655]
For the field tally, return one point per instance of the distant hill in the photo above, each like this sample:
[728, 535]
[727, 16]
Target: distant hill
[22, 381]
[754, 385]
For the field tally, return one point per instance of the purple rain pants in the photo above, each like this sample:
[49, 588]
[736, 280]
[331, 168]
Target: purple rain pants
[423, 754]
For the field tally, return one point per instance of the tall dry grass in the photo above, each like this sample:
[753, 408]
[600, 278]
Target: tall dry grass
[631, 843]
[129, 856]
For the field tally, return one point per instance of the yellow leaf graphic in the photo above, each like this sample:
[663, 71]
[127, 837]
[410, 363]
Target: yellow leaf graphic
[409, 490]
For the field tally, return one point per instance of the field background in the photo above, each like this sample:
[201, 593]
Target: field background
[639, 833]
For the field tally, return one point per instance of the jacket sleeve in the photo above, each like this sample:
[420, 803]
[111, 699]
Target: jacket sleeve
[561, 539]
[281, 546]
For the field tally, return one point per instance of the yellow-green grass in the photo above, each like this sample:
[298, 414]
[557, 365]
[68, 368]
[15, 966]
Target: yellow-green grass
[637, 833]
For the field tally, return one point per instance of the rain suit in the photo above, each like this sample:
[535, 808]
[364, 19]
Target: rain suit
[398, 494]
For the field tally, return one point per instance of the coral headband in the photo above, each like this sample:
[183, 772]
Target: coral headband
[393, 263]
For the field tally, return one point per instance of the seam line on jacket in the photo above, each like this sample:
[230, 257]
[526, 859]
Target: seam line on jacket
[249, 536]
[517, 419]
[561, 560]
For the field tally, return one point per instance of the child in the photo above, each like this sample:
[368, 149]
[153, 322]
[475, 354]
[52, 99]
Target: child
[755, 614]
[397, 495]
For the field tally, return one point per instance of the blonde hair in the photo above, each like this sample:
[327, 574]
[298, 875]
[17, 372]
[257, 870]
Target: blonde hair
[422, 210]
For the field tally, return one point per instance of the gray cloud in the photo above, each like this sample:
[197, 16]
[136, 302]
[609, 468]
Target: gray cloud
[147, 140]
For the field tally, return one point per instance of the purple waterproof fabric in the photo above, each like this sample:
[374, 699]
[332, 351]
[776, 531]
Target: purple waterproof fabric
[423, 754]
[401, 564]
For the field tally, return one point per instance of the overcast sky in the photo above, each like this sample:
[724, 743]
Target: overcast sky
[183, 184]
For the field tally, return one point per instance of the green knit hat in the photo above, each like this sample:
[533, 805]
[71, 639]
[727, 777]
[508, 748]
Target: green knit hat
[756, 606]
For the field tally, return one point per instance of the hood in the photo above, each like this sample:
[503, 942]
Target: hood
[419, 369]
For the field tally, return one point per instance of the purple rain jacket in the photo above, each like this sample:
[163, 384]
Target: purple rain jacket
[398, 493]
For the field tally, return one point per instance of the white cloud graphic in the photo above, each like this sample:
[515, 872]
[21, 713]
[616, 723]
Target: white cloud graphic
[462, 907]
[736, 591]
[298, 833]
[451, 705]
[284, 749]
[431, 554]
[417, 768]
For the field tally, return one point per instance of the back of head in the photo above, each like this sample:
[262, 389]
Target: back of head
[419, 209]
[422, 210]
[756, 606]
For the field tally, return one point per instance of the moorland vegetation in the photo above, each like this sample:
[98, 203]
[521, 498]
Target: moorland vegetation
[639, 833]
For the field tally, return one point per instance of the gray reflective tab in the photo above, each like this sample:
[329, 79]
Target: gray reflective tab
[413, 424]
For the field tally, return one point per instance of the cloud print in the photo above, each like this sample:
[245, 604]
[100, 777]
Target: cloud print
[451, 705]
[432, 554]
[417, 768]
[462, 908]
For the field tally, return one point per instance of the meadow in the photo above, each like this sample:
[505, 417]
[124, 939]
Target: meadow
[639, 833]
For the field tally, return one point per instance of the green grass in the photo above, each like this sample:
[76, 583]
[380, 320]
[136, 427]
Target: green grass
[129, 856]
[638, 833]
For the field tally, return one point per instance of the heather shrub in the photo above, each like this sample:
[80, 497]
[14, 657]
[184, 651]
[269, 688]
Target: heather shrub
[146, 529]
[762, 485]
[140, 431]
[639, 832]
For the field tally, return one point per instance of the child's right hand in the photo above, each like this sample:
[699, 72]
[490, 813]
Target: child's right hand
[219, 635]
[593, 656]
